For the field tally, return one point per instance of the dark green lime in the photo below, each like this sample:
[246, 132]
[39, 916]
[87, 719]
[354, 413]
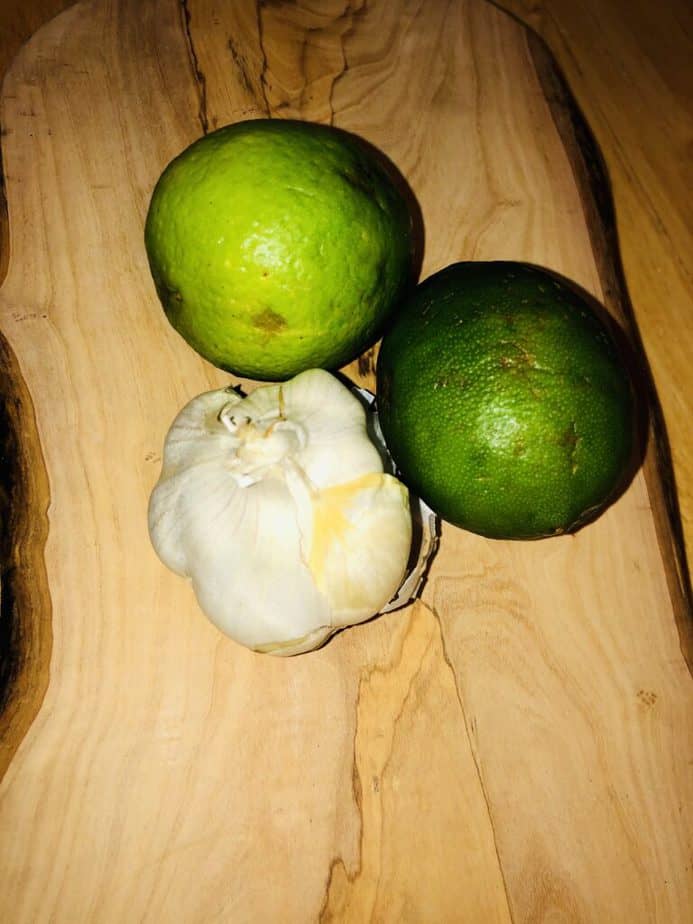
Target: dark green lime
[505, 401]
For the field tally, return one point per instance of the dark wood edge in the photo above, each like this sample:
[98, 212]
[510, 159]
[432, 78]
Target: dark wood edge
[591, 177]
[26, 637]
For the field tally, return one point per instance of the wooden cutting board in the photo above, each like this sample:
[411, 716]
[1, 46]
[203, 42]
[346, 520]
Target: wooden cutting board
[515, 747]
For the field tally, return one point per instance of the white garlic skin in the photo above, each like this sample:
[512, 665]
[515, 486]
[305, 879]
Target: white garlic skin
[277, 508]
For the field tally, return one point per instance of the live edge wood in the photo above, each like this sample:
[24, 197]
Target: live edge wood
[514, 747]
[25, 608]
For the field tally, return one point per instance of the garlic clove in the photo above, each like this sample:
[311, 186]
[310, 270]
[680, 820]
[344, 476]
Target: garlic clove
[251, 580]
[359, 545]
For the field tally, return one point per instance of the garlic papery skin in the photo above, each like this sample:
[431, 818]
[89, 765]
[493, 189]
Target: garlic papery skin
[277, 508]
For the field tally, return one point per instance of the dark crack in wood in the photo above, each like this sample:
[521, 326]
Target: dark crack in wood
[263, 54]
[470, 730]
[197, 73]
[354, 14]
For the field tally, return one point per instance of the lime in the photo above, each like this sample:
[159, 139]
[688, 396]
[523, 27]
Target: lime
[278, 245]
[505, 401]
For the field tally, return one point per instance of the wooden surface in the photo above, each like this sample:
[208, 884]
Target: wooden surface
[516, 747]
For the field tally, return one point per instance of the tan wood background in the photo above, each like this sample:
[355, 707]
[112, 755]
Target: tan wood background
[530, 761]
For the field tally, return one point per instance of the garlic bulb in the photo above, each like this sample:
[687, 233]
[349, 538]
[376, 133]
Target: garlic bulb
[277, 507]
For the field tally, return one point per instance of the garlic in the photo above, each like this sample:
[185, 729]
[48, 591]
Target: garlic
[278, 508]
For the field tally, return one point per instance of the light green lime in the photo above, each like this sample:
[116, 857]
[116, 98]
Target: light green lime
[278, 246]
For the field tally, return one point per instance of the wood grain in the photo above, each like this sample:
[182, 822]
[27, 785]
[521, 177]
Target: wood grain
[515, 747]
[18, 21]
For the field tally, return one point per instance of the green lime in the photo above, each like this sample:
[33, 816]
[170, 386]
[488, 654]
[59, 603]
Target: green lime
[505, 401]
[277, 246]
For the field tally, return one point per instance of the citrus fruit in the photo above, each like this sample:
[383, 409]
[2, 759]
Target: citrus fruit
[505, 401]
[278, 245]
